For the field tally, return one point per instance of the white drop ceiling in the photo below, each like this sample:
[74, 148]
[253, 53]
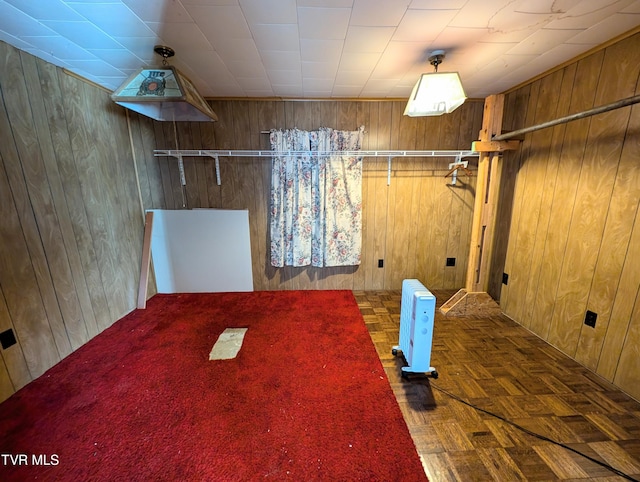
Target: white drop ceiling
[306, 49]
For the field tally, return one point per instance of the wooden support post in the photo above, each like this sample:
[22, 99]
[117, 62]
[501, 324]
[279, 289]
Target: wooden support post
[473, 299]
[146, 261]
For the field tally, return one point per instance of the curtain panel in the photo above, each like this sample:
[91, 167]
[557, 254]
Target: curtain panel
[316, 200]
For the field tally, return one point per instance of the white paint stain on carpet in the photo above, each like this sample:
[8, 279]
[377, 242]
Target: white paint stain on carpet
[228, 344]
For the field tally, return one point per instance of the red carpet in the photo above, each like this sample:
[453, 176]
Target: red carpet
[305, 399]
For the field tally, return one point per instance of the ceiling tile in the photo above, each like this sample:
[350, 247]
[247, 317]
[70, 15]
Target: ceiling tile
[378, 13]
[246, 69]
[346, 90]
[545, 6]
[400, 56]
[315, 85]
[121, 59]
[475, 14]
[117, 19]
[378, 88]
[423, 25]
[15, 41]
[238, 50]
[368, 39]
[633, 8]
[542, 40]
[97, 67]
[148, 11]
[49, 10]
[326, 3]
[284, 77]
[323, 23]
[83, 33]
[278, 60]
[207, 2]
[320, 70]
[352, 77]
[281, 37]
[259, 11]
[59, 48]
[288, 91]
[359, 61]
[586, 13]
[13, 20]
[142, 47]
[254, 84]
[454, 38]
[321, 50]
[220, 22]
[437, 4]
[606, 29]
[176, 36]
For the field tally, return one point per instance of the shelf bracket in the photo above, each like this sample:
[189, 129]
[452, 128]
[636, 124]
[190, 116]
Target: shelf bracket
[216, 158]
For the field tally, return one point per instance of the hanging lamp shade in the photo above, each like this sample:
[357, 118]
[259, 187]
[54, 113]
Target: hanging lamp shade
[164, 94]
[435, 93]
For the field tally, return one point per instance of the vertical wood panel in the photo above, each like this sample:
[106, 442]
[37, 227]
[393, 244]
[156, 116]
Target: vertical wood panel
[587, 223]
[629, 366]
[17, 125]
[606, 342]
[520, 230]
[59, 243]
[595, 186]
[624, 200]
[71, 214]
[558, 196]
[538, 195]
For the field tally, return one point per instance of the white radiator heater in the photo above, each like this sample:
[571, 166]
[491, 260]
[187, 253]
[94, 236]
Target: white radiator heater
[417, 313]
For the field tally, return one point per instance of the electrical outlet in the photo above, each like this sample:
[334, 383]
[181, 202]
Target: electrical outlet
[381, 263]
[451, 261]
[590, 319]
[7, 339]
[505, 279]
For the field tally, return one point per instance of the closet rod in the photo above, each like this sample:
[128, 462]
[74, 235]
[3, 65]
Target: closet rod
[563, 120]
[217, 153]
[269, 153]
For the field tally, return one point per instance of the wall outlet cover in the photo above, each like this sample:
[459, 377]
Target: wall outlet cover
[590, 319]
[7, 339]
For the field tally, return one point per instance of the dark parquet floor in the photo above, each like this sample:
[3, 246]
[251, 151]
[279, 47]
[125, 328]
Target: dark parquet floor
[500, 367]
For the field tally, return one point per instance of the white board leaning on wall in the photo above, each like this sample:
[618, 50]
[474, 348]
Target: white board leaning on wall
[201, 250]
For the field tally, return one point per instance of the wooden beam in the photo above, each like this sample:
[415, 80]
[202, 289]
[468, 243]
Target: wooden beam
[477, 279]
[474, 299]
[494, 146]
[146, 261]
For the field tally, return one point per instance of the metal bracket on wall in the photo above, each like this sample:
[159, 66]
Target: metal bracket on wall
[183, 180]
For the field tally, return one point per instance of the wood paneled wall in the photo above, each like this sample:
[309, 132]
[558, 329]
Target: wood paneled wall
[414, 224]
[574, 225]
[71, 221]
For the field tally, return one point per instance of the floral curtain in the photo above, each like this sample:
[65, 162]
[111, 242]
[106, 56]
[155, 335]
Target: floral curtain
[316, 200]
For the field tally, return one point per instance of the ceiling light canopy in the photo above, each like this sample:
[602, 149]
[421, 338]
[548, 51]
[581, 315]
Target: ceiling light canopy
[435, 93]
[163, 93]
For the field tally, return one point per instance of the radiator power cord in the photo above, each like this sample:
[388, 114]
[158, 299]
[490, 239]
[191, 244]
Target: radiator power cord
[533, 434]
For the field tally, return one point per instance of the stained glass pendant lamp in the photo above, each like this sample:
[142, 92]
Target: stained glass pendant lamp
[436, 93]
[163, 93]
